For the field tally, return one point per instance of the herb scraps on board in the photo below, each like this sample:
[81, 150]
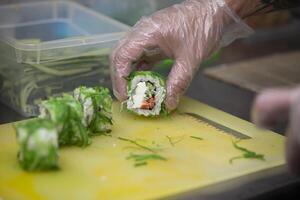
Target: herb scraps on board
[134, 142]
[143, 159]
[247, 154]
[197, 138]
[174, 140]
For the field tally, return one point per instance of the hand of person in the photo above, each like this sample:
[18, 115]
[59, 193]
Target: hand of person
[188, 33]
[279, 105]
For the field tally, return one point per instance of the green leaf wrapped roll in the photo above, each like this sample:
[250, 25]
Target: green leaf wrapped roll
[97, 108]
[146, 93]
[38, 145]
[67, 115]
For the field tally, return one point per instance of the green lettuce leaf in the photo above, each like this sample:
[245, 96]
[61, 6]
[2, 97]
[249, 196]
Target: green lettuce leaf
[97, 108]
[38, 145]
[67, 115]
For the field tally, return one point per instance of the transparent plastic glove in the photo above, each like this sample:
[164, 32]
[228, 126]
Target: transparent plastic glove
[188, 33]
[281, 105]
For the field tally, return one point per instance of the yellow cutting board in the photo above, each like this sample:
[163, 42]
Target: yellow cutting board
[101, 171]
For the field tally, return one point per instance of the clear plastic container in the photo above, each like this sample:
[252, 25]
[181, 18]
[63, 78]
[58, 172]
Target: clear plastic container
[128, 11]
[51, 47]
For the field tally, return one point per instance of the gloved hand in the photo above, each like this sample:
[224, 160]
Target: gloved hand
[279, 105]
[188, 33]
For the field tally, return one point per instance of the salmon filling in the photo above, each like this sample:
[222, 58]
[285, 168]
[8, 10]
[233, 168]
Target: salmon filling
[148, 104]
[144, 95]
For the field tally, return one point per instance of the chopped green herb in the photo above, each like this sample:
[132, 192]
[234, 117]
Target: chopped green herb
[170, 140]
[142, 159]
[173, 141]
[140, 164]
[247, 154]
[197, 138]
[137, 144]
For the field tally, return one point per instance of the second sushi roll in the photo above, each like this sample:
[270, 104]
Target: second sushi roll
[97, 108]
[67, 115]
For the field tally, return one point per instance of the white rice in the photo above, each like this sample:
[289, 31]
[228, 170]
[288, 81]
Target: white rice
[87, 103]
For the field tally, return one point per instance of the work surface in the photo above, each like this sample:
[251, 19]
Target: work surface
[265, 185]
[279, 70]
[102, 170]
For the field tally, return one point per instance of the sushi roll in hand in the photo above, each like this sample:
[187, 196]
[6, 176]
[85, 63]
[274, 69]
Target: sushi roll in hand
[97, 108]
[146, 93]
[38, 145]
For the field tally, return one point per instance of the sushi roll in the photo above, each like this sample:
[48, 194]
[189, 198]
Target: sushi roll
[38, 144]
[97, 108]
[146, 93]
[67, 115]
